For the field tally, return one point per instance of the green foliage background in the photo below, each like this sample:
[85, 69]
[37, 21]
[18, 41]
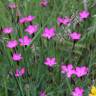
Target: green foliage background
[38, 76]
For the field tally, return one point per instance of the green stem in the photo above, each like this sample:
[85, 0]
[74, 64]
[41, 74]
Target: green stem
[6, 92]
[18, 80]
[68, 84]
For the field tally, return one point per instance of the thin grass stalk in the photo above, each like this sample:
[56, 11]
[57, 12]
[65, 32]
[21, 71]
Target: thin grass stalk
[18, 80]
[85, 4]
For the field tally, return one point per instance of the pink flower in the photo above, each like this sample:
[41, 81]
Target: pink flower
[42, 93]
[32, 29]
[81, 71]
[50, 61]
[78, 71]
[30, 18]
[20, 72]
[63, 69]
[26, 19]
[25, 41]
[75, 36]
[44, 3]
[17, 57]
[12, 5]
[22, 20]
[64, 21]
[48, 33]
[8, 30]
[12, 44]
[78, 91]
[84, 14]
[68, 70]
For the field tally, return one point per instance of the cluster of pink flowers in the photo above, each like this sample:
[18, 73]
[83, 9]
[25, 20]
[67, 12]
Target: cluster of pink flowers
[25, 41]
[66, 20]
[78, 91]
[78, 71]
[48, 33]
[26, 19]
[13, 44]
[69, 70]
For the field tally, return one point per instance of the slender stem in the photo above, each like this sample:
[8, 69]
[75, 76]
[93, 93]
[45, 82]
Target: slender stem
[6, 91]
[85, 4]
[73, 47]
[19, 85]
[68, 84]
